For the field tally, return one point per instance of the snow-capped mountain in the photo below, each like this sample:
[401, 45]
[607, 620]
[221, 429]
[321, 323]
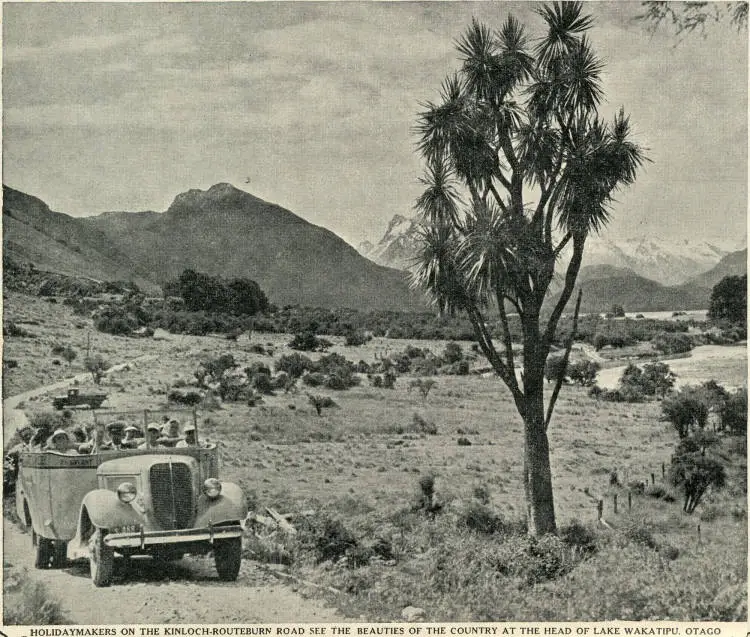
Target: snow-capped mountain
[668, 261]
[397, 248]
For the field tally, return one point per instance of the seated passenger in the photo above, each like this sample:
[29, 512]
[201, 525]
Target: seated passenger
[78, 435]
[60, 442]
[152, 436]
[94, 444]
[116, 431]
[191, 440]
[133, 437]
[170, 433]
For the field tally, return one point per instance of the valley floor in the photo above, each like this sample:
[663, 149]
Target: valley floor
[361, 463]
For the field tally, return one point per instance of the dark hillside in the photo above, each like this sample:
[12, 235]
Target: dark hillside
[225, 231]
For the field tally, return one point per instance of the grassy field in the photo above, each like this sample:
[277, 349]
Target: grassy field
[356, 470]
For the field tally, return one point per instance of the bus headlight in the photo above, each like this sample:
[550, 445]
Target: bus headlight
[126, 492]
[212, 488]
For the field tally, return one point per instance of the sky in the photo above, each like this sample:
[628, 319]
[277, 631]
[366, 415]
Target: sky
[120, 106]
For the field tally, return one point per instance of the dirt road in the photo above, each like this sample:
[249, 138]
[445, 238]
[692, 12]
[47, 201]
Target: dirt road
[182, 592]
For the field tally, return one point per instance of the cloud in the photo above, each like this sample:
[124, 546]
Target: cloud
[69, 46]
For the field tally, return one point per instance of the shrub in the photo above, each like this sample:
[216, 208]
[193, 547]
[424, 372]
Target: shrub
[423, 426]
[363, 367]
[389, 379]
[579, 536]
[639, 532]
[326, 537]
[584, 372]
[314, 379]
[96, 366]
[452, 353]
[294, 364]
[308, 342]
[356, 338]
[29, 603]
[423, 385]
[321, 402]
[734, 413]
[669, 343]
[694, 473]
[190, 397]
[376, 380]
[685, 411]
[480, 518]
[461, 368]
[555, 366]
[11, 329]
[261, 382]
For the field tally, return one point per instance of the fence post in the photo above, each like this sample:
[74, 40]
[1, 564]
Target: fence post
[614, 502]
[630, 500]
[599, 509]
[663, 470]
[653, 479]
[699, 534]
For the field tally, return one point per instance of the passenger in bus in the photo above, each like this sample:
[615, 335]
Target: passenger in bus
[133, 437]
[60, 442]
[78, 435]
[153, 431]
[94, 444]
[170, 433]
[191, 439]
[116, 431]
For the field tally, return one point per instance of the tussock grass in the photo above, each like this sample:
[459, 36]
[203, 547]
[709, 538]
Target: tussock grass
[27, 602]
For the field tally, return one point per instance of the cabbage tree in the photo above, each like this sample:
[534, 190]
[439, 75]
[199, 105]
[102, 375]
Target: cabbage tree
[520, 170]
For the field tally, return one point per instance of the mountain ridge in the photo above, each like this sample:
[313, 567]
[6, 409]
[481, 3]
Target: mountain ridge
[222, 231]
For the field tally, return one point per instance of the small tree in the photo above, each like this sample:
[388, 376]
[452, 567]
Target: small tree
[729, 300]
[694, 473]
[69, 354]
[452, 353]
[584, 372]
[618, 311]
[734, 413]
[686, 412]
[96, 366]
[556, 366]
[320, 402]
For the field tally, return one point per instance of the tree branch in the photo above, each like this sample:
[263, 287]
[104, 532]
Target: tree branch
[570, 280]
[564, 366]
[485, 343]
[498, 198]
[507, 339]
[561, 246]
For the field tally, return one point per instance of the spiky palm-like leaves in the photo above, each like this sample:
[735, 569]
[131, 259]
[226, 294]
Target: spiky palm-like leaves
[515, 118]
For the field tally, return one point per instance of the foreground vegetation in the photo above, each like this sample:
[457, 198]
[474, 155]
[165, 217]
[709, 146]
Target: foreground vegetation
[354, 477]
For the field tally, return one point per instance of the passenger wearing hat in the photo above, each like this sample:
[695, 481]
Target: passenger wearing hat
[170, 433]
[153, 430]
[59, 442]
[191, 440]
[132, 437]
[116, 431]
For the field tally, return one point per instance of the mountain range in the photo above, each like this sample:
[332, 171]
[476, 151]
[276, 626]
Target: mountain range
[228, 232]
[665, 261]
[221, 231]
[641, 274]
